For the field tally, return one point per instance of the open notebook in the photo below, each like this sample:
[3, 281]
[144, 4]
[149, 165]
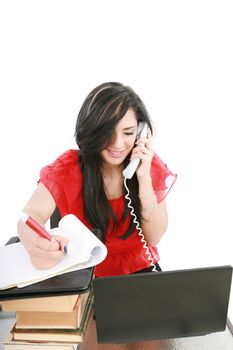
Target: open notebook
[84, 250]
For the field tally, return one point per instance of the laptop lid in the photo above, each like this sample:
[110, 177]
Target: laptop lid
[161, 305]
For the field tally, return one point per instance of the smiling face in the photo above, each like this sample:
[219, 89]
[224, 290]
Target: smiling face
[123, 140]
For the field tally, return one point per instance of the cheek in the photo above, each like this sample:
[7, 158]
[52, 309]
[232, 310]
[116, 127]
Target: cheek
[131, 142]
[130, 145]
[103, 154]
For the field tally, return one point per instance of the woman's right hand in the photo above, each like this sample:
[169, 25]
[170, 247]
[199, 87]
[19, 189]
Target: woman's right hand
[43, 253]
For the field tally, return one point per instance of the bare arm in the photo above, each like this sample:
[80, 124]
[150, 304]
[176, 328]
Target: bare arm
[154, 214]
[43, 253]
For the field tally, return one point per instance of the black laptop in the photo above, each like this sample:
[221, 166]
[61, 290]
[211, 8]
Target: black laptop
[161, 305]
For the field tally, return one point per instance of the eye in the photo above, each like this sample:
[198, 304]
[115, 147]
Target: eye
[129, 133]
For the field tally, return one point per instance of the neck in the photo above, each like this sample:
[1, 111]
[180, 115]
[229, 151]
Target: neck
[111, 170]
[112, 181]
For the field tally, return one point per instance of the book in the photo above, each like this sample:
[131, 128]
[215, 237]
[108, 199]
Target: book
[61, 303]
[84, 250]
[57, 335]
[52, 320]
[11, 344]
[15, 345]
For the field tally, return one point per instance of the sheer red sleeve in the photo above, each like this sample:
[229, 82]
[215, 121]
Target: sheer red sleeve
[63, 179]
[162, 178]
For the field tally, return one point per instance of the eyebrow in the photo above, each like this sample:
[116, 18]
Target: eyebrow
[130, 127]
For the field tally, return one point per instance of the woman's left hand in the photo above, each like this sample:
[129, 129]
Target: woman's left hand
[144, 151]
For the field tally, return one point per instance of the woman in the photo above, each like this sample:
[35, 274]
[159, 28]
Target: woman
[88, 183]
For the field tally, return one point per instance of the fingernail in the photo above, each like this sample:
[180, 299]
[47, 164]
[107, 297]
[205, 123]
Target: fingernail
[65, 250]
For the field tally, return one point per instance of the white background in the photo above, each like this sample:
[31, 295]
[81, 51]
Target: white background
[177, 55]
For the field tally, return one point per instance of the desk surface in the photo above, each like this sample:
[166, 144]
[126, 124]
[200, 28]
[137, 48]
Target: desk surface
[214, 341]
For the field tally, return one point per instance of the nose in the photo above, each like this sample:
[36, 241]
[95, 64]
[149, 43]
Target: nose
[117, 141]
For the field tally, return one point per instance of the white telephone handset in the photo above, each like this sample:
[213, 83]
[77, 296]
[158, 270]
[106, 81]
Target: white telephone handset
[132, 166]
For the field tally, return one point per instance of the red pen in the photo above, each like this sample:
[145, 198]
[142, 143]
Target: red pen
[35, 226]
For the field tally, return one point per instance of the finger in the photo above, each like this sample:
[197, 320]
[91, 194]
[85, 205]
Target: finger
[49, 255]
[145, 156]
[135, 154]
[138, 151]
[143, 153]
[144, 142]
[140, 141]
[141, 149]
[145, 159]
[45, 244]
[63, 241]
[45, 260]
[55, 255]
[148, 144]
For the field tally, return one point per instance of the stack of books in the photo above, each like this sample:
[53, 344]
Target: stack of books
[49, 323]
[44, 321]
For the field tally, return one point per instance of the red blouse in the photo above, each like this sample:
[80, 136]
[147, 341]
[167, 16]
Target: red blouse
[63, 179]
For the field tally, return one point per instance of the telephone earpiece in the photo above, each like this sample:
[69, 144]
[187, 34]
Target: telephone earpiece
[133, 164]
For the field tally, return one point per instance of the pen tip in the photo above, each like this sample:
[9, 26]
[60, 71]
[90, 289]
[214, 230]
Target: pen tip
[65, 250]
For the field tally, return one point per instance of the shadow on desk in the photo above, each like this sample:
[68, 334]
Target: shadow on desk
[230, 326]
[214, 341]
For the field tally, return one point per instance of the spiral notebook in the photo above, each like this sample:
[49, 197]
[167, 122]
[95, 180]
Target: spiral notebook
[85, 251]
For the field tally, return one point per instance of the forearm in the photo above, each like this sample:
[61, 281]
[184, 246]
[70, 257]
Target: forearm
[154, 214]
[40, 207]
[26, 234]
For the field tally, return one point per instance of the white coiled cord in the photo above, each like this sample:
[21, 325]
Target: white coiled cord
[135, 220]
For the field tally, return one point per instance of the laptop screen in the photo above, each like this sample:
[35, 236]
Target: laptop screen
[161, 305]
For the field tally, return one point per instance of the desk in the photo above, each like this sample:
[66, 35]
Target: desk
[6, 322]
[214, 341]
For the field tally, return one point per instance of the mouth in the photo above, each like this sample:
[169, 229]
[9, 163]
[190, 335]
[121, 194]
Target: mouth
[115, 154]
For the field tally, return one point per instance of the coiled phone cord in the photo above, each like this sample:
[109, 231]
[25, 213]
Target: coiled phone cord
[135, 220]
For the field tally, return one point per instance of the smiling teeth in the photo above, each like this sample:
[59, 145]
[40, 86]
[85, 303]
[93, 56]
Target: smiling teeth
[117, 153]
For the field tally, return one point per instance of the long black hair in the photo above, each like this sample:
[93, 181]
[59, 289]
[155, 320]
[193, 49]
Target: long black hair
[102, 109]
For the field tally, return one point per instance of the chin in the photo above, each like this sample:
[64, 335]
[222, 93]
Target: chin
[114, 161]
